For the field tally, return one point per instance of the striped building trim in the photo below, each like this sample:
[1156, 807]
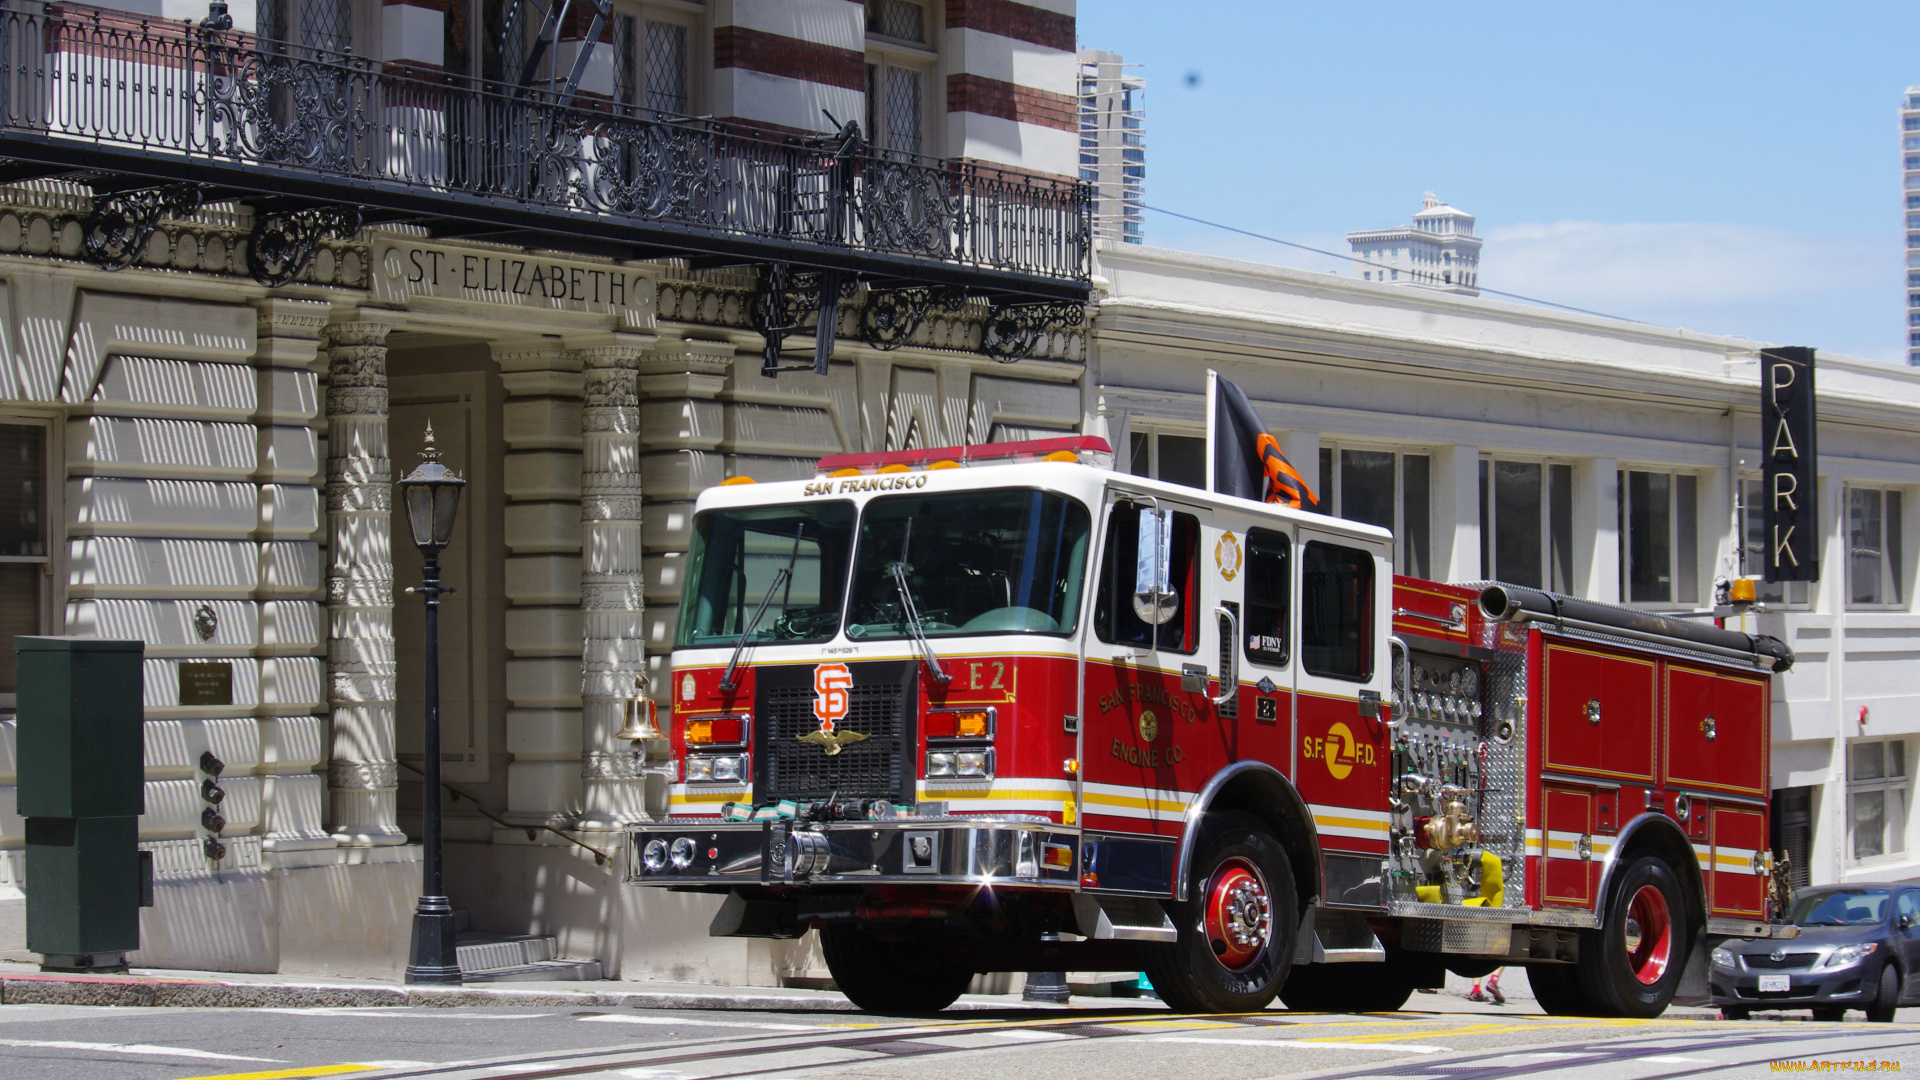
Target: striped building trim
[790, 58]
[1009, 101]
[1022, 22]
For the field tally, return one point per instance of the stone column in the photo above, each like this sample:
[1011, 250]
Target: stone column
[360, 664]
[613, 652]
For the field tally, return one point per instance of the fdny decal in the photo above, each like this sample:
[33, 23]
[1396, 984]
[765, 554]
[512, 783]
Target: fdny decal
[831, 699]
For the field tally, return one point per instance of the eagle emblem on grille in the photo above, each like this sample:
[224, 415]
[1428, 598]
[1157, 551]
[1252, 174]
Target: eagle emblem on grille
[831, 699]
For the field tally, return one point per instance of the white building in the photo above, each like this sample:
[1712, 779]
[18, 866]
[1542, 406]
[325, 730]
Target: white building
[1113, 148]
[1591, 456]
[1437, 251]
[1910, 175]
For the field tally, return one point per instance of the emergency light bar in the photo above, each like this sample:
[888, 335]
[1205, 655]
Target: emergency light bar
[1085, 449]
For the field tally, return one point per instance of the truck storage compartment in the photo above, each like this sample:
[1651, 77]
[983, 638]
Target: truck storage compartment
[1716, 731]
[1600, 714]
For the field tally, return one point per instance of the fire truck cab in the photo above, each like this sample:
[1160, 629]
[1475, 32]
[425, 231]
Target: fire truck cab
[1001, 708]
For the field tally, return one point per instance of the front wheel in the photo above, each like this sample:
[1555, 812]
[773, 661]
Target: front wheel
[891, 977]
[1889, 997]
[1236, 930]
[1632, 965]
[1350, 988]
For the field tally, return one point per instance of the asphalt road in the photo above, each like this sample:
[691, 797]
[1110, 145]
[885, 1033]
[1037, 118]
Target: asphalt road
[1092, 1042]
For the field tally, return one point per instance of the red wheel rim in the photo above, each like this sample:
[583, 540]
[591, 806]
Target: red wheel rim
[1239, 915]
[1649, 935]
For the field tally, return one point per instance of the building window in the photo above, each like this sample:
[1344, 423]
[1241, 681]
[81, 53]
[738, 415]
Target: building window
[902, 20]
[25, 549]
[1177, 459]
[1659, 538]
[651, 65]
[319, 25]
[1874, 576]
[1753, 502]
[1877, 797]
[1526, 523]
[1385, 488]
[899, 66]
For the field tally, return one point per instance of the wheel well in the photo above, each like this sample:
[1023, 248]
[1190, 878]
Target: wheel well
[1266, 795]
[1656, 834]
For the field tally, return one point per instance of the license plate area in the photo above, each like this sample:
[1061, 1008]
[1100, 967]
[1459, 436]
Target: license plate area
[1775, 984]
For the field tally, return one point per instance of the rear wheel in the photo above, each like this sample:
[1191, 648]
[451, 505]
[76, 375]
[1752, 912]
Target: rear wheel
[1557, 988]
[892, 977]
[1889, 999]
[1236, 929]
[1631, 966]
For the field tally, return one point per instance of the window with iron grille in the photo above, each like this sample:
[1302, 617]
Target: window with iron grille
[319, 25]
[903, 20]
[894, 108]
[650, 65]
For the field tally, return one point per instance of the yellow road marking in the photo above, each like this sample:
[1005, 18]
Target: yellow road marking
[289, 1074]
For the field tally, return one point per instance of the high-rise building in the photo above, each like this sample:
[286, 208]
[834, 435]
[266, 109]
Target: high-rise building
[1910, 176]
[1113, 148]
[1438, 251]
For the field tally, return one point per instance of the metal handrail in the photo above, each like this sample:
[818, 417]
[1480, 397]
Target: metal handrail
[600, 858]
[93, 89]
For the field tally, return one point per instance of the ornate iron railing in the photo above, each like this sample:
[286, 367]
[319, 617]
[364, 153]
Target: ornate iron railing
[101, 90]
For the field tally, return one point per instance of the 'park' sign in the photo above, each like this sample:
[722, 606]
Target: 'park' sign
[1789, 456]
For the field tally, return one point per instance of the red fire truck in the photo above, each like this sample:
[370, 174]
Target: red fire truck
[1001, 708]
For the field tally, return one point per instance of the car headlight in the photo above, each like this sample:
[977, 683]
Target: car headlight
[716, 768]
[655, 855]
[681, 853]
[699, 767]
[1723, 958]
[1849, 954]
[729, 767]
[974, 763]
[939, 765]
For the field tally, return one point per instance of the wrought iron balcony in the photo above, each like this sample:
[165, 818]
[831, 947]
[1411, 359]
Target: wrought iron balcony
[152, 101]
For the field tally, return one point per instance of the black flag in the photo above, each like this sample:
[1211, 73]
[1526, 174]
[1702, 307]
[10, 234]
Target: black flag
[1245, 458]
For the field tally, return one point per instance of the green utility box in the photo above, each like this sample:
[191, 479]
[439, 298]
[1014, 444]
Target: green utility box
[82, 762]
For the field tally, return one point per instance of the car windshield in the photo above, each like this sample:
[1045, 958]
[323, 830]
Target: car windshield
[978, 562]
[736, 562]
[1840, 907]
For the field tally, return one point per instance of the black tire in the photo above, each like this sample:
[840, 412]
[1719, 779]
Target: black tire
[1889, 998]
[1190, 972]
[1557, 988]
[1348, 988]
[1735, 1012]
[897, 978]
[1615, 979]
[1829, 1014]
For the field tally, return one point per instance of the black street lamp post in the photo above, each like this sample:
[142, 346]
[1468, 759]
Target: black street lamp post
[431, 494]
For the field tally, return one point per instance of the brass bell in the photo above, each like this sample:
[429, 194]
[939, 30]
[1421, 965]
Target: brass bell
[638, 719]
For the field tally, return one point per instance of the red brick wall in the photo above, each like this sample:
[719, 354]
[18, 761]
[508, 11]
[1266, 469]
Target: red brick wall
[1009, 19]
[991, 97]
[757, 50]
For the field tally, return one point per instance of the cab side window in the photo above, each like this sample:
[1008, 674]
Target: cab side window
[1116, 616]
[1336, 611]
[1269, 595]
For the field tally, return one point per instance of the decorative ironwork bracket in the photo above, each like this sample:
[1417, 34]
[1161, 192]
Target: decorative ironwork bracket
[1012, 330]
[119, 226]
[891, 317]
[283, 243]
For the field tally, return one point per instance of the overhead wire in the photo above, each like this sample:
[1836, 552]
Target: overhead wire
[1363, 262]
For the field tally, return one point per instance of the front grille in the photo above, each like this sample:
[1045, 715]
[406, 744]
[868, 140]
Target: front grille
[1787, 961]
[877, 767]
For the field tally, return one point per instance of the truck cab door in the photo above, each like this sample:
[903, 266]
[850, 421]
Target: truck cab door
[1254, 568]
[1342, 674]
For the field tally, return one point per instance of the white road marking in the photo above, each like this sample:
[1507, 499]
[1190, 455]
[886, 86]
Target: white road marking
[669, 1021]
[1302, 1044]
[138, 1049]
[1034, 1036]
[1678, 1060]
[398, 1013]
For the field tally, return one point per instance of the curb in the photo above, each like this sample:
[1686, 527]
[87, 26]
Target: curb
[211, 994]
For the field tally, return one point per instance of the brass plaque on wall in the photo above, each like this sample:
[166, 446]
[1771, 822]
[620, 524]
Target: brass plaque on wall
[206, 683]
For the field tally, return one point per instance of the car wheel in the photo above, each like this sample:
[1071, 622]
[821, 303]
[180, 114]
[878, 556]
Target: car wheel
[1735, 1012]
[1632, 965]
[1829, 1014]
[1889, 998]
[1236, 930]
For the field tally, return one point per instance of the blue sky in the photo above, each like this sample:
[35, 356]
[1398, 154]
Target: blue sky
[1726, 167]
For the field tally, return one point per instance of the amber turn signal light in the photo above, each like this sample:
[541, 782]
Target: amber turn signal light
[960, 724]
[720, 731]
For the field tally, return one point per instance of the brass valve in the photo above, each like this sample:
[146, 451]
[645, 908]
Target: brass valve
[1453, 826]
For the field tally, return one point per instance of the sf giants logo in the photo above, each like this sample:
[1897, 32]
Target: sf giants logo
[832, 684]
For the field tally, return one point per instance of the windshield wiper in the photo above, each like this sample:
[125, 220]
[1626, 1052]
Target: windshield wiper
[785, 574]
[914, 629]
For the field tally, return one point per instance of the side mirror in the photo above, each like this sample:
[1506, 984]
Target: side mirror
[1154, 600]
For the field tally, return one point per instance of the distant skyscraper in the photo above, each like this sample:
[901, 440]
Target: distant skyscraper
[1438, 251]
[1910, 173]
[1113, 147]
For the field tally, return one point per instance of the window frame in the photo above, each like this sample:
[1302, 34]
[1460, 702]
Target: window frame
[1902, 783]
[1152, 433]
[1262, 657]
[1625, 539]
[691, 18]
[923, 58]
[1794, 595]
[1184, 579]
[1330, 489]
[54, 563]
[1490, 519]
[1302, 640]
[1892, 562]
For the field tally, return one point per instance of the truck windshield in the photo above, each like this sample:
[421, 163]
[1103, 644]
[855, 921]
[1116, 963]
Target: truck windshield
[979, 562]
[1840, 907]
[736, 558]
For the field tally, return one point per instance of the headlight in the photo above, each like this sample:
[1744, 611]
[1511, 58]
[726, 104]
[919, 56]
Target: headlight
[729, 767]
[939, 765]
[699, 768]
[974, 763]
[1849, 954]
[1723, 958]
[655, 855]
[681, 853]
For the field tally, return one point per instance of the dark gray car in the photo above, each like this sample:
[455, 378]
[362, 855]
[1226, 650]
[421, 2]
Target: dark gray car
[1857, 948]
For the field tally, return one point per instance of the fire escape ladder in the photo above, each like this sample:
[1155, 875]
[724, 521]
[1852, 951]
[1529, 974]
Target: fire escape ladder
[547, 41]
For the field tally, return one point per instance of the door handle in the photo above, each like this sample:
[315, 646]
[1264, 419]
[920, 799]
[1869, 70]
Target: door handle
[1230, 670]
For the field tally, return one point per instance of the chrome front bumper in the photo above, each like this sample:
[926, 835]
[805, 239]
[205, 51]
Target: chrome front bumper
[921, 851]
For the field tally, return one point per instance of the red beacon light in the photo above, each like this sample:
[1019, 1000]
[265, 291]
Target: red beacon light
[1084, 449]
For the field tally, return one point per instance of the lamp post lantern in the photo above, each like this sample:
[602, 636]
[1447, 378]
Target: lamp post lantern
[431, 496]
